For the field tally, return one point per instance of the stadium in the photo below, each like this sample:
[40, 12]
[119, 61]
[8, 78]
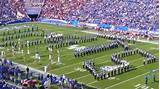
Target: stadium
[79, 44]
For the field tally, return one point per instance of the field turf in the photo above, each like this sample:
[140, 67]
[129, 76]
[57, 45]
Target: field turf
[72, 67]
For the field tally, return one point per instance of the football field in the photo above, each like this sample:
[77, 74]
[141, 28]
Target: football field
[72, 67]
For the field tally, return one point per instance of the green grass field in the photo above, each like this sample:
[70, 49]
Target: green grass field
[72, 67]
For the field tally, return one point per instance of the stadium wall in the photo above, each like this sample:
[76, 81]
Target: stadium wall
[15, 21]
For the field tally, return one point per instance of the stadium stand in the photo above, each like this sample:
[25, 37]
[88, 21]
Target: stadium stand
[12, 11]
[59, 9]
[138, 14]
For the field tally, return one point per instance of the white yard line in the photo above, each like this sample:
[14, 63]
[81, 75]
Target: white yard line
[92, 86]
[127, 80]
[82, 76]
[70, 72]
[139, 66]
[91, 82]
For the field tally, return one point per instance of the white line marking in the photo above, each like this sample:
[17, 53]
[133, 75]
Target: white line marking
[82, 76]
[129, 79]
[71, 72]
[92, 82]
[137, 85]
[93, 86]
[126, 80]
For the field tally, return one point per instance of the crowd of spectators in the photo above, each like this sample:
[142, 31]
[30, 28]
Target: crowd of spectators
[138, 14]
[142, 14]
[11, 9]
[60, 9]
[18, 6]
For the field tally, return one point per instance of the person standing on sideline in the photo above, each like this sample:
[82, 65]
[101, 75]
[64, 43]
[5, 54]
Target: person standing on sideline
[146, 80]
